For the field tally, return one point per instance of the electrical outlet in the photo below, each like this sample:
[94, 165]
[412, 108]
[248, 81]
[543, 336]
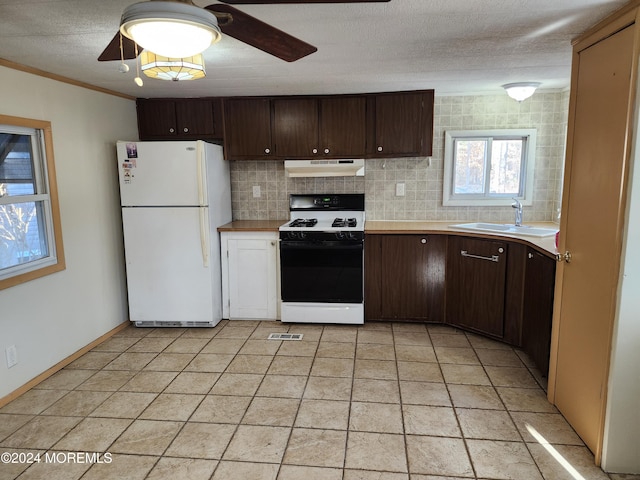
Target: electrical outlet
[12, 356]
[256, 191]
[399, 189]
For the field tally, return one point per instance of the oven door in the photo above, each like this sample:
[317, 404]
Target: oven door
[321, 271]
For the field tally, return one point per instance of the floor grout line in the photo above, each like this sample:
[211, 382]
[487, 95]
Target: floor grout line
[382, 338]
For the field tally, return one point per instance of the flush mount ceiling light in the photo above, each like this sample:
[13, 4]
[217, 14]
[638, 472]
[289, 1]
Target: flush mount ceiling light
[521, 91]
[164, 68]
[171, 29]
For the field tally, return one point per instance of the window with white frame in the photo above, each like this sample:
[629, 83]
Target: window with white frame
[30, 237]
[488, 167]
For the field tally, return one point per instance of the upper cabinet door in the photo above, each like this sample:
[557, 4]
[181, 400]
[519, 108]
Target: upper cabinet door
[179, 118]
[156, 118]
[403, 124]
[195, 118]
[328, 127]
[295, 127]
[343, 126]
[247, 125]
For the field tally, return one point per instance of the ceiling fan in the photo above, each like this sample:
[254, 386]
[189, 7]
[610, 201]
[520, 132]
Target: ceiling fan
[232, 22]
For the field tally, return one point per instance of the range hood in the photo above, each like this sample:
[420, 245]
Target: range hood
[324, 168]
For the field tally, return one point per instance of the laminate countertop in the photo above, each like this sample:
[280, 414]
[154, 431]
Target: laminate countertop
[545, 245]
[252, 226]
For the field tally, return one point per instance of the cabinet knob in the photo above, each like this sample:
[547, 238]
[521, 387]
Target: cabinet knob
[380, 148]
[185, 129]
[171, 130]
[326, 150]
[530, 255]
[273, 244]
[267, 150]
[424, 240]
[315, 150]
[501, 250]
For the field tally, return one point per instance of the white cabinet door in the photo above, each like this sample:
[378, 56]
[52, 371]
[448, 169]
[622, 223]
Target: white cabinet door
[250, 275]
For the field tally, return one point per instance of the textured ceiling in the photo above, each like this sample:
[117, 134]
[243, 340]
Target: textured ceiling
[452, 46]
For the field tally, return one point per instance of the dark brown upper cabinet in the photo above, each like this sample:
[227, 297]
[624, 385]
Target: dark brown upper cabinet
[328, 127]
[343, 126]
[295, 127]
[179, 119]
[400, 124]
[247, 127]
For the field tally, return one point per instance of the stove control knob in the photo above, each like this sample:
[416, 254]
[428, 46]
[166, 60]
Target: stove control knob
[340, 235]
[302, 235]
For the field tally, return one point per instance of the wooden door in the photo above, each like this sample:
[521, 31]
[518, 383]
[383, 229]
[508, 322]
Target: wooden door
[343, 127]
[592, 219]
[476, 279]
[247, 126]
[295, 127]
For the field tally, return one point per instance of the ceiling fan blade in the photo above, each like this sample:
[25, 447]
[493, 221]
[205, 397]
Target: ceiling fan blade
[261, 35]
[269, 2]
[112, 52]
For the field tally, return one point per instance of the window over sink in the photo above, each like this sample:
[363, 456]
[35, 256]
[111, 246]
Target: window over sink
[30, 231]
[488, 167]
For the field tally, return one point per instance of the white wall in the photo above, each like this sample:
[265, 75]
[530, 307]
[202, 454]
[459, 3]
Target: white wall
[52, 317]
[622, 426]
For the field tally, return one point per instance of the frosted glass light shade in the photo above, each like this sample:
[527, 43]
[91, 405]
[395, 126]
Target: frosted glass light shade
[521, 91]
[164, 68]
[170, 29]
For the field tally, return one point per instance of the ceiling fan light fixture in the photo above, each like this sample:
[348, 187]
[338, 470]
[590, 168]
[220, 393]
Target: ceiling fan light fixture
[521, 90]
[176, 69]
[170, 29]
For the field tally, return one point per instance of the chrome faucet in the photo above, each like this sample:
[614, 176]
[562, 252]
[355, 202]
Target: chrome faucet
[518, 206]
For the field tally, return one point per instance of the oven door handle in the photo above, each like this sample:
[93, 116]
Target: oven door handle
[342, 245]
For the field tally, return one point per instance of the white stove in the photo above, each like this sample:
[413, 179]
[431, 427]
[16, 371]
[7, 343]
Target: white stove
[321, 259]
[325, 213]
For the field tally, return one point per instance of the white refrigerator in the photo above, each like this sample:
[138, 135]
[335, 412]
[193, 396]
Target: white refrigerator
[173, 195]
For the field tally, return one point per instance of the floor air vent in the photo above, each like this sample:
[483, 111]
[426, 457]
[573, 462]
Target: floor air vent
[285, 336]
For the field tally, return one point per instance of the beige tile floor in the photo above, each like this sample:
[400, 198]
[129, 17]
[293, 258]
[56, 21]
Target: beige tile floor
[377, 402]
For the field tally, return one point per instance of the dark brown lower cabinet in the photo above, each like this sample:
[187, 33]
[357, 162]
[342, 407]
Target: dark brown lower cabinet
[537, 307]
[500, 289]
[404, 277]
[476, 280]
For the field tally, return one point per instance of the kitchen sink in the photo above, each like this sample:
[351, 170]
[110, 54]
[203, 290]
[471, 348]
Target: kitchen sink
[507, 228]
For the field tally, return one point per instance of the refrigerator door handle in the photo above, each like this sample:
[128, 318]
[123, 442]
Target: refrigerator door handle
[200, 168]
[204, 236]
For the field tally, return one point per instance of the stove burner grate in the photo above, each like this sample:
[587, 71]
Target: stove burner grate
[303, 222]
[344, 222]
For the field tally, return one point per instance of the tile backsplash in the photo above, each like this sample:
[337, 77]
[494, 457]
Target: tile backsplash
[547, 112]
